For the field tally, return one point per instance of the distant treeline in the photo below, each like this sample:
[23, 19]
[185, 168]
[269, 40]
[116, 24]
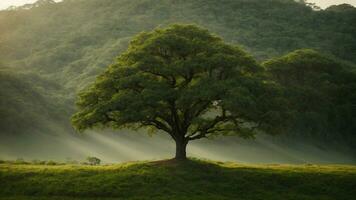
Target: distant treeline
[50, 51]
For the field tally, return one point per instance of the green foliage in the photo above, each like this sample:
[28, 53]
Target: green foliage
[21, 161]
[342, 8]
[319, 91]
[181, 80]
[51, 163]
[177, 180]
[29, 102]
[72, 41]
[93, 160]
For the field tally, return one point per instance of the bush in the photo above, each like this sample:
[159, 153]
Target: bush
[51, 163]
[42, 163]
[93, 161]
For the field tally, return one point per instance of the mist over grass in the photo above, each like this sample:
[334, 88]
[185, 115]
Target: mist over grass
[112, 147]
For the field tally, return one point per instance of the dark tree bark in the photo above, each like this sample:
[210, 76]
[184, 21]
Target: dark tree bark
[181, 146]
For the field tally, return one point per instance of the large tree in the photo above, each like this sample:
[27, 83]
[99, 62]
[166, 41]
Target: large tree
[183, 81]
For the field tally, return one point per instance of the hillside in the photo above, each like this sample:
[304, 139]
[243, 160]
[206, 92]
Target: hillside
[71, 42]
[29, 102]
[171, 180]
[66, 45]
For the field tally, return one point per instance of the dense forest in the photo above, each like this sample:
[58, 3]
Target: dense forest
[49, 51]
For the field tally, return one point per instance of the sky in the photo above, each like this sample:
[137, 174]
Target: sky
[327, 3]
[7, 3]
[322, 3]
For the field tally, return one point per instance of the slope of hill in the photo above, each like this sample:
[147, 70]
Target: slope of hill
[172, 180]
[29, 103]
[71, 42]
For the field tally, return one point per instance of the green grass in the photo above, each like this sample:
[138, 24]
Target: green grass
[171, 180]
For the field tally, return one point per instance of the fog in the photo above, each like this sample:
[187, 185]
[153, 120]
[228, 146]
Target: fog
[114, 147]
[7, 3]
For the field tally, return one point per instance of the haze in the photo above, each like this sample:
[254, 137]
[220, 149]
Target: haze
[7, 3]
[130, 146]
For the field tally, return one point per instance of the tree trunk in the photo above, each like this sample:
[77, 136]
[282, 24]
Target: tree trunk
[181, 147]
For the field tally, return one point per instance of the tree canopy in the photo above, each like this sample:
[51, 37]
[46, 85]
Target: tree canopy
[320, 92]
[184, 81]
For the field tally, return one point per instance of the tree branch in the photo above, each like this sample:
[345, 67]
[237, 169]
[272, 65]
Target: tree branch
[203, 131]
[161, 126]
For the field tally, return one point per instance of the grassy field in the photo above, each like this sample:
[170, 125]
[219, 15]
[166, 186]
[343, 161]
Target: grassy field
[171, 180]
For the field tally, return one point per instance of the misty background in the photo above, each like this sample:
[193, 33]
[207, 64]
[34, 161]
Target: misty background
[49, 53]
[128, 145]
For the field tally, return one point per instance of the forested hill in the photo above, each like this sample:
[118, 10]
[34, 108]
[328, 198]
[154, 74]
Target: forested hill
[70, 42]
[28, 103]
[74, 40]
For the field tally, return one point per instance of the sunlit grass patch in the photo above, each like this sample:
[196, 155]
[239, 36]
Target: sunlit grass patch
[193, 179]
